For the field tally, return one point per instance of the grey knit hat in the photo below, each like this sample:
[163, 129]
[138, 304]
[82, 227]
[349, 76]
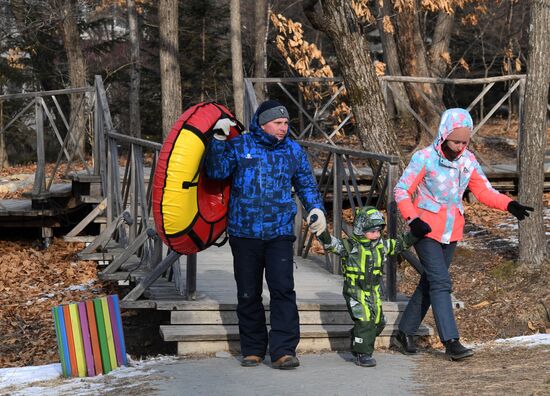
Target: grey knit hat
[271, 110]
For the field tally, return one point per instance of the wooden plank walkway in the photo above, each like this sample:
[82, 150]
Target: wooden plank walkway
[315, 287]
[216, 284]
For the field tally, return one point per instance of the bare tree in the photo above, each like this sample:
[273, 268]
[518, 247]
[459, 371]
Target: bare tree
[339, 22]
[414, 62]
[237, 58]
[440, 47]
[260, 59]
[4, 163]
[135, 74]
[392, 59]
[77, 67]
[532, 139]
[169, 67]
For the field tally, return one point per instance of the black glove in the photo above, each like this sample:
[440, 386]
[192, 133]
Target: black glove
[419, 228]
[519, 210]
[324, 237]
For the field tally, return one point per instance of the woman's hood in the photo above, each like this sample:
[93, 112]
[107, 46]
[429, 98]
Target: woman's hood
[452, 119]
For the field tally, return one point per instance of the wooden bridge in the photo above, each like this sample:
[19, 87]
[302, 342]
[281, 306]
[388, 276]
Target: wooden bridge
[199, 290]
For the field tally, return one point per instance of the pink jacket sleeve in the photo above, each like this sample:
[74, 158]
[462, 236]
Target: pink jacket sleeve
[480, 186]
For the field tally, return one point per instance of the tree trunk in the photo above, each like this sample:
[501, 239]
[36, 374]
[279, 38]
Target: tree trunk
[392, 62]
[532, 139]
[260, 59]
[4, 163]
[170, 78]
[237, 59]
[414, 62]
[77, 70]
[135, 74]
[338, 21]
[440, 46]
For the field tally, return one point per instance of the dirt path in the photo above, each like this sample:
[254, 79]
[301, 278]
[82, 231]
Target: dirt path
[494, 370]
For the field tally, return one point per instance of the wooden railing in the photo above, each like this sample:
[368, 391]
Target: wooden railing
[129, 205]
[49, 118]
[345, 176]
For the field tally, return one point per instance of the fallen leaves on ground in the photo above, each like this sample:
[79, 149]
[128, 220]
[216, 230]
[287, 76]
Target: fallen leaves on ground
[33, 281]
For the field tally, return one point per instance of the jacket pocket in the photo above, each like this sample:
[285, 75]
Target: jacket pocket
[430, 206]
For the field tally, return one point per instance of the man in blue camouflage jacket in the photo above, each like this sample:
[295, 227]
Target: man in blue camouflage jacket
[265, 165]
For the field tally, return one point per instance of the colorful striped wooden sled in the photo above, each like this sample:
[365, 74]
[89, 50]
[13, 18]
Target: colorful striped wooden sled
[90, 337]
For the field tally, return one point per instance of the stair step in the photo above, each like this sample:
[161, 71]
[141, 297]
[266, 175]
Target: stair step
[230, 317]
[231, 332]
[82, 238]
[132, 267]
[91, 199]
[123, 275]
[101, 256]
[182, 305]
[84, 177]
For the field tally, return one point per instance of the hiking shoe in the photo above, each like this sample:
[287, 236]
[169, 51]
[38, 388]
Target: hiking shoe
[364, 360]
[406, 343]
[456, 351]
[286, 362]
[251, 361]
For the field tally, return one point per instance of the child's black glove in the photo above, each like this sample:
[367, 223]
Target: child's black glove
[519, 210]
[419, 228]
[324, 237]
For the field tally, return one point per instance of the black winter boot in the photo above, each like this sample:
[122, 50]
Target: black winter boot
[406, 343]
[364, 360]
[456, 351]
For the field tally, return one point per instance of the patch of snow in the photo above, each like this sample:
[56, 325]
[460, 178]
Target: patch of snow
[23, 380]
[23, 375]
[527, 341]
[81, 287]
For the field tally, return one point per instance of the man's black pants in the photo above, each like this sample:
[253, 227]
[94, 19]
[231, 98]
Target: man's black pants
[250, 258]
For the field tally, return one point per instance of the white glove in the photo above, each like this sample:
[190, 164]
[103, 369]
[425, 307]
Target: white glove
[319, 225]
[221, 129]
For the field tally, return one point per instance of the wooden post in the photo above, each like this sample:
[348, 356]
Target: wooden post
[298, 221]
[300, 114]
[97, 122]
[133, 193]
[391, 208]
[110, 178]
[191, 280]
[134, 294]
[337, 207]
[39, 178]
[102, 151]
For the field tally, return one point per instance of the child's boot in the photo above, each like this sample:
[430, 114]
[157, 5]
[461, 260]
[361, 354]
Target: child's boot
[364, 360]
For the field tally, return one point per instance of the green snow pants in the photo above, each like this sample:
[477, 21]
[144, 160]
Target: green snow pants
[365, 329]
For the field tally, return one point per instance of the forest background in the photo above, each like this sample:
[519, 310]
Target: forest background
[485, 38]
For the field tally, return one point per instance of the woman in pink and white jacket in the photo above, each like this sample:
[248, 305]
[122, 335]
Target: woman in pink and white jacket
[429, 196]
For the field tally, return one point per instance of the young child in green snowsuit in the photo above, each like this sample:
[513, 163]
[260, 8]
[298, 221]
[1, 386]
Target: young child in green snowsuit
[363, 258]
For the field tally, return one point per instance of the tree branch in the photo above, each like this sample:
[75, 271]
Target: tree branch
[317, 20]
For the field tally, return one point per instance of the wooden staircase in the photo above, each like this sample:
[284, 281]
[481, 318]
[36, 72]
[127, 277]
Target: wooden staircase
[208, 328]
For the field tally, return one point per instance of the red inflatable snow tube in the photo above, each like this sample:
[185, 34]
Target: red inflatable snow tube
[189, 209]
